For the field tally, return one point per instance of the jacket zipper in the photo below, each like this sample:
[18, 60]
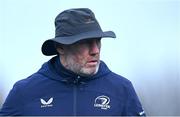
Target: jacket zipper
[75, 96]
[74, 100]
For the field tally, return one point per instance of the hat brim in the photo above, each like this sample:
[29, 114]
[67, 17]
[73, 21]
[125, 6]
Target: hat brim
[49, 49]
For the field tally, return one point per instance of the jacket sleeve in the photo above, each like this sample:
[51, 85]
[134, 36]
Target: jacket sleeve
[12, 104]
[133, 106]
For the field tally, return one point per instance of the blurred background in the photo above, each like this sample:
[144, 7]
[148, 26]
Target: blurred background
[146, 50]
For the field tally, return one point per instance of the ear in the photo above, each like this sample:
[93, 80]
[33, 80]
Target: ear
[60, 50]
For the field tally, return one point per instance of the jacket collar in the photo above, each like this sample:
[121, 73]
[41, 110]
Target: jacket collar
[55, 70]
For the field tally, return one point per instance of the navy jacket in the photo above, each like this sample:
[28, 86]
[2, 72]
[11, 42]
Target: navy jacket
[54, 90]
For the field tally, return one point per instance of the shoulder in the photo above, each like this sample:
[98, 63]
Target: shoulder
[22, 89]
[118, 80]
[15, 99]
[116, 85]
[32, 79]
[112, 79]
[111, 76]
[25, 87]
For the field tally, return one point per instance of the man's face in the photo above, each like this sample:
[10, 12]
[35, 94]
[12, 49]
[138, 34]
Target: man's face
[82, 57]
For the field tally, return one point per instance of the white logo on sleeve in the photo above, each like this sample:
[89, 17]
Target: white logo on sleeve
[102, 102]
[141, 113]
[47, 103]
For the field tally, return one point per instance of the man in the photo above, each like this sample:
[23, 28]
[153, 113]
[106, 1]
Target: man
[75, 81]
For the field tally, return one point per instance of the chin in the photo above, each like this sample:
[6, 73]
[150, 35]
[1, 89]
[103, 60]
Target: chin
[89, 71]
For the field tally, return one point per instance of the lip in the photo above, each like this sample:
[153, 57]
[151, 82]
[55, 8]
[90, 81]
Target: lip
[92, 62]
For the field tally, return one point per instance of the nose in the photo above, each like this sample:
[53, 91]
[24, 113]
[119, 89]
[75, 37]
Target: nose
[95, 47]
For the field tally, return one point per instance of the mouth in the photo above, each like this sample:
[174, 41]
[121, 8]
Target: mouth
[92, 62]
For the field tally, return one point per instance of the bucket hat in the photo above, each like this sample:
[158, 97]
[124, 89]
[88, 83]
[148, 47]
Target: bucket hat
[73, 25]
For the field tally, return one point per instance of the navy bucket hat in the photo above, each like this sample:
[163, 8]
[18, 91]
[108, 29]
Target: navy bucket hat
[73, 25]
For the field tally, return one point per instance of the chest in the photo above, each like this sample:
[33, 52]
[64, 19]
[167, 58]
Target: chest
[75, 100]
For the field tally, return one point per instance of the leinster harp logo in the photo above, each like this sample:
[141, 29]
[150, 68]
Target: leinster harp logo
[102, 102]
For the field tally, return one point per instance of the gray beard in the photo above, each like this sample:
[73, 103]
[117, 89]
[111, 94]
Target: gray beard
[78, 69]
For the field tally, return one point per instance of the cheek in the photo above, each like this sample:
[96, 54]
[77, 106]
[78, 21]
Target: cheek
[79, 55]
[80, 58]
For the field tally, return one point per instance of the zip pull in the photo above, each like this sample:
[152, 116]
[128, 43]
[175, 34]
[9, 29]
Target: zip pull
[78, 77]
[76, 81]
